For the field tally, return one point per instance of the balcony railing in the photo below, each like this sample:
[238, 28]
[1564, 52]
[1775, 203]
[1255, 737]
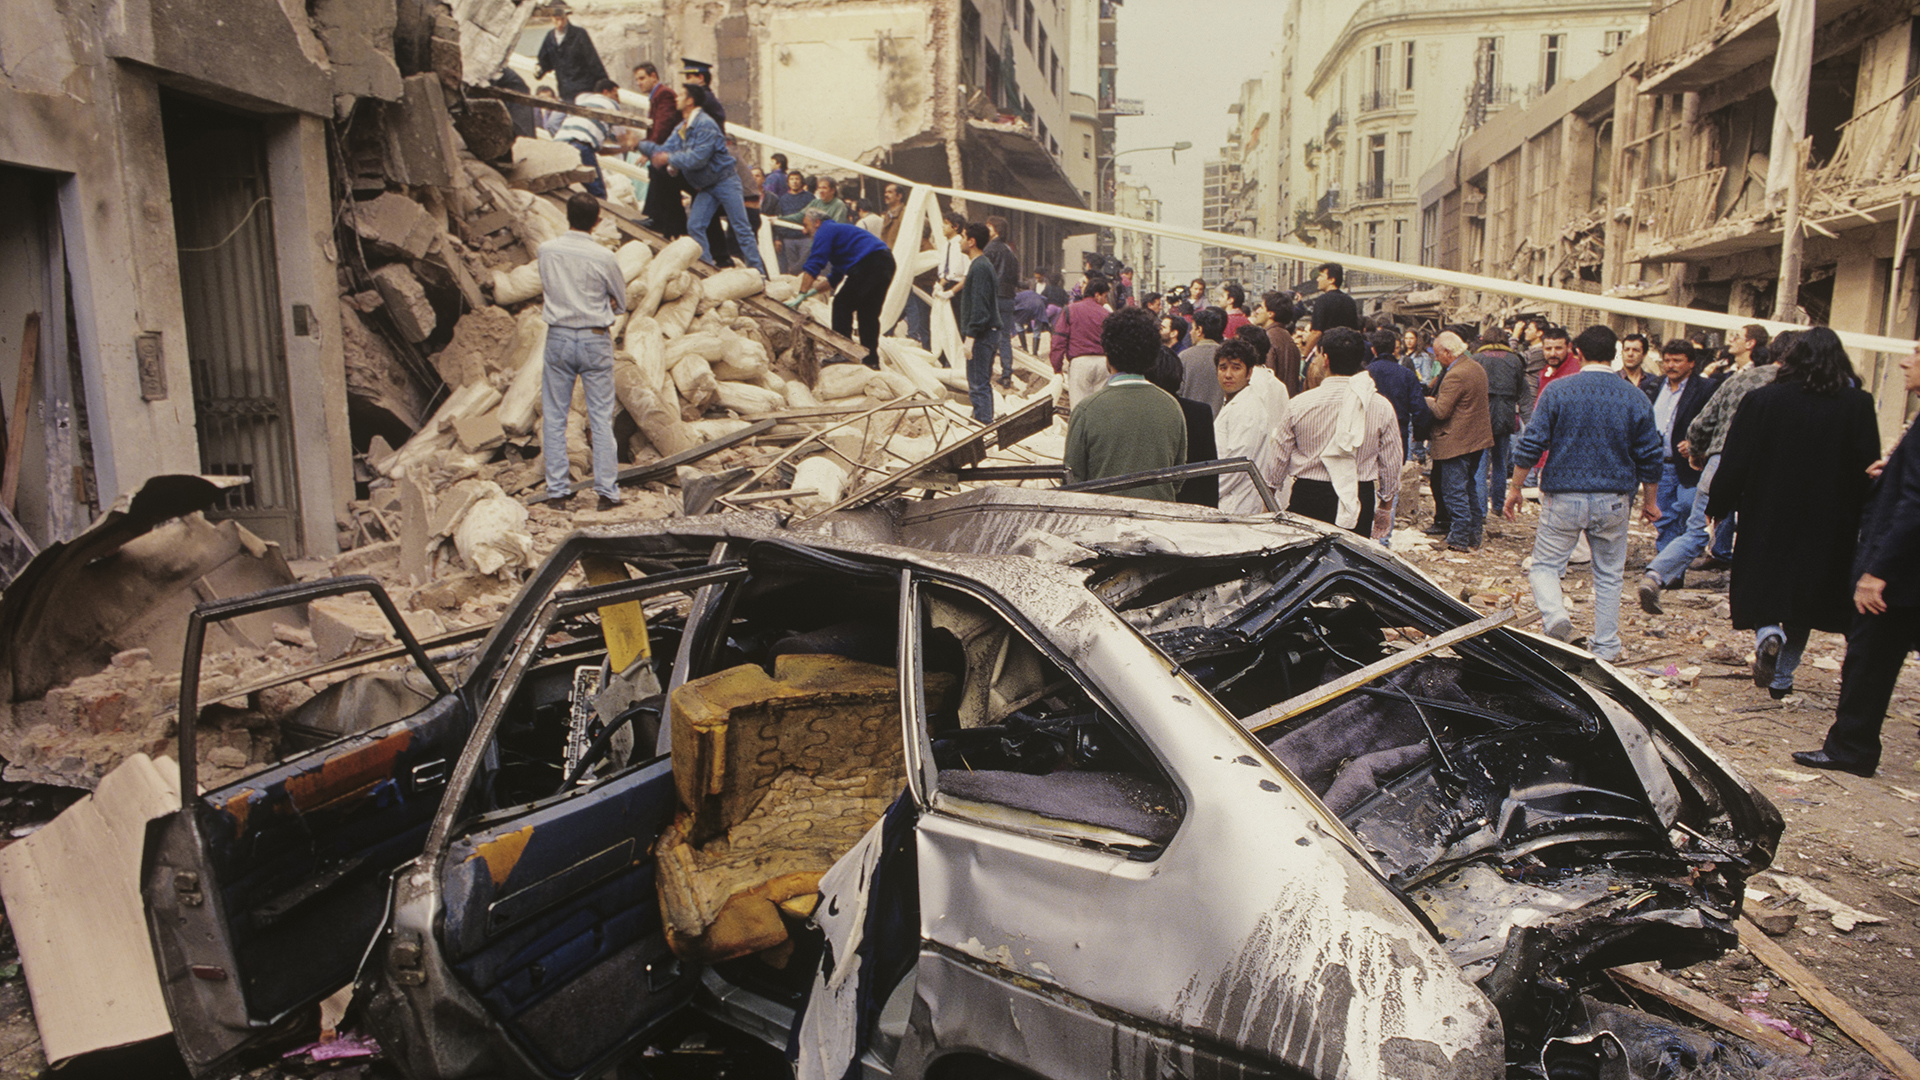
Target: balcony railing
[1679, 209]
[1372, 101]
[1681, 24]
[1335, 122]
[1373, 189]
[1330, 201]
[1878, 146]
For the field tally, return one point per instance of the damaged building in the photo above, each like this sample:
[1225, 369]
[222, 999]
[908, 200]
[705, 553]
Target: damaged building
[1671, 173]
[988, 95]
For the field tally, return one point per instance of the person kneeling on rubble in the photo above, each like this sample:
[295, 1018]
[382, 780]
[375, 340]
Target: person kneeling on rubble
[1129, 425]
[859, 268]
[698, 152]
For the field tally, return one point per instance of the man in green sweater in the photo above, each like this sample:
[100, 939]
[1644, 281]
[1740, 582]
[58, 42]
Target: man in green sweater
[1129, 425]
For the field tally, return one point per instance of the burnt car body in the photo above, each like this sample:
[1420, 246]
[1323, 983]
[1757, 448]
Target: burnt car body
[1148, 822]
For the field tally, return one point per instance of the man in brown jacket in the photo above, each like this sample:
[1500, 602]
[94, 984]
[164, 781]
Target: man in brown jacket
[1462, 433]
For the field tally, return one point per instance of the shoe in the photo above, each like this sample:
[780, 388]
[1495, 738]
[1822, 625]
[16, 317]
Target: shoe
[1650, 595]
[1559, 631]
[1434, 531]
[1776, 692]
[1765, 656]
[1708, 564]
[603, 504]
[1004, 382]
[1820, 759]
[552, 501]
[1462, 548]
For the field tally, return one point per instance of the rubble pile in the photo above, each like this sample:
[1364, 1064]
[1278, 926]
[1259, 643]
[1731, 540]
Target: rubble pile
[723, 375]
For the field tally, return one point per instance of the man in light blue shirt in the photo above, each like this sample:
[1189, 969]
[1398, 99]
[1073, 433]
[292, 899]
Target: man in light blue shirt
[584, 291]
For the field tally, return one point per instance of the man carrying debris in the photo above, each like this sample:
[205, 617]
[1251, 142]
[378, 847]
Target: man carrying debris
[584, 291]
[1130, 425]
[1601, 443]
[1886, 593]
[568, 52]
[589, 136]
[860, 269]
[698, 152]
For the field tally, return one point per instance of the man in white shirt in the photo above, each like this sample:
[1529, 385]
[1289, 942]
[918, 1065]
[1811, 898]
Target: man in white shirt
[1255, 405]
[584, 290]
[1337, 441]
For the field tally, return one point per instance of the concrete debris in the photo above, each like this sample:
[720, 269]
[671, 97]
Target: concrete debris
[491, 535]
[406, 302]
[395, 225]
[419, 135]
[543, 165]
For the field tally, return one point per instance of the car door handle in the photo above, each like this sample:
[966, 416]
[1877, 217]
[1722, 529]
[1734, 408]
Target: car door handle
[429, 774]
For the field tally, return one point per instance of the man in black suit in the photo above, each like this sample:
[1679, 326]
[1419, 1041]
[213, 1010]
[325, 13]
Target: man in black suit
[1887, 598]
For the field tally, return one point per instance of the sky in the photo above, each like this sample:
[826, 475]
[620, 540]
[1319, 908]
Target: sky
[1186, 61]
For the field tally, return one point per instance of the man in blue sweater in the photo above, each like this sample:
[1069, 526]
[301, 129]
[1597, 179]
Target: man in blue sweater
[1601, 442]
[860, 267]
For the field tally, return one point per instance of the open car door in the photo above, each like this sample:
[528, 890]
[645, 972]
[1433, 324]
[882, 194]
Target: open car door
[263, 895]
[529, 940]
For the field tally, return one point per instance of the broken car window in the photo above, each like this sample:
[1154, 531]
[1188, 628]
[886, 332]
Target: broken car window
[1021, 742]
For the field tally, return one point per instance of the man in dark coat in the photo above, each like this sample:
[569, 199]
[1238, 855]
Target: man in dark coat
[568, 52]
[1794, 468]
[1166, 374]
[1506, 386]
[1886, 600]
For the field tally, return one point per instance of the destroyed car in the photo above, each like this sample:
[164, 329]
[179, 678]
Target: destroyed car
[1012, 783]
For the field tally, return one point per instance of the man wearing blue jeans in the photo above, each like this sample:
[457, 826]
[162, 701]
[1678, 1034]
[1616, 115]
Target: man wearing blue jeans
[1601, 444]
[1676, 400]
[584, 290]
[978, 315]
[1006, 273]
[1707, 435]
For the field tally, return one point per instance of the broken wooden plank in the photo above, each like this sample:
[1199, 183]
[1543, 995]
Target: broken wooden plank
[1844, 1016]
[666, 468]
[17, 435]
[1644, 978]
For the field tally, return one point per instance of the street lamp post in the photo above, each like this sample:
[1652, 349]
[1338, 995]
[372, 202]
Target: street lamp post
[1106, 175]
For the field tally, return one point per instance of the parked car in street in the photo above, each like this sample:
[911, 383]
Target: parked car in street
[1012, 783]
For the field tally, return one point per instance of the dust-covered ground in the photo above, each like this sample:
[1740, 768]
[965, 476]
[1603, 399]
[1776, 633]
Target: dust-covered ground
[1851, 839]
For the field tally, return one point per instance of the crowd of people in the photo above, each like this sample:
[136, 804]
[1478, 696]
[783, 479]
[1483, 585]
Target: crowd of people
[1762, 458]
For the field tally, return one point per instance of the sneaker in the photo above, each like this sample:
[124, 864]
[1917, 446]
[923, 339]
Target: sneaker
[1765, 656]
[602, 503]
[1559, 631]
[1650, 595]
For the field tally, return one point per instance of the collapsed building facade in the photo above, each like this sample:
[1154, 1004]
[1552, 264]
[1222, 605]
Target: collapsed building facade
[988, 95]
[1649, 178]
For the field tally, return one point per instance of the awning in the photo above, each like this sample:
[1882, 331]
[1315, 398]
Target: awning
[1015, 149]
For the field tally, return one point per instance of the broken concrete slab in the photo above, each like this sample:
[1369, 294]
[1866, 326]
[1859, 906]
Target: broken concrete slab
[344, 625]
[487, 127]
[475, 434]
[478, 347]
[72, 893]
[406, 301]
[489, 30]
[358, 35]
[376, 379]
[419, 135]
[415, 564]
[362, 560]
[544, 165]
[128, 582]
[395, 225]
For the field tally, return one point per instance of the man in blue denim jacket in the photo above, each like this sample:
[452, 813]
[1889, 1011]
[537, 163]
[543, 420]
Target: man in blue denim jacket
[698, 152]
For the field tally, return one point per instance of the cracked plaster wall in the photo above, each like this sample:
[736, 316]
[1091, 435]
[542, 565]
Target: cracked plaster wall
[81, 87]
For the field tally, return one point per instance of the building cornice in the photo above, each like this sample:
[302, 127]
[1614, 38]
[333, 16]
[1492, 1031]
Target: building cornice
[1408, 17]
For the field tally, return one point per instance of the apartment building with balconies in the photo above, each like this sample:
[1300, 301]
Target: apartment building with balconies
[1392, 89]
